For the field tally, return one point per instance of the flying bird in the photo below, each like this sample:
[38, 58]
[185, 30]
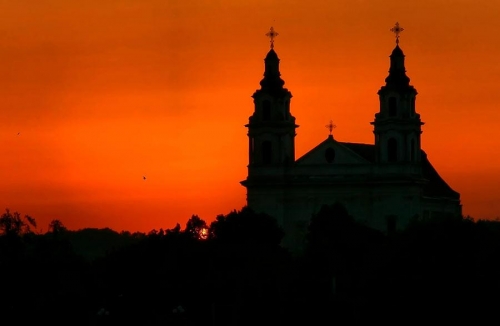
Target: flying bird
[18, 133]
[143, 177]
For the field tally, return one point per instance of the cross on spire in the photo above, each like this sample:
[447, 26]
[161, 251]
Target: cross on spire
[331, 126]
[272, 34]
[397, 30]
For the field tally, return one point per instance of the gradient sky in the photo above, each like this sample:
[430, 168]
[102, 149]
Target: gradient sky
[106, 91]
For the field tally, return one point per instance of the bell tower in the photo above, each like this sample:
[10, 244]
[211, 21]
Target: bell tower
[397, 126]
[271, 128]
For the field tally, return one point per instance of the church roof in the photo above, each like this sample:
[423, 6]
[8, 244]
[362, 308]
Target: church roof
[366, 151]
[349, 155]
[436, 187]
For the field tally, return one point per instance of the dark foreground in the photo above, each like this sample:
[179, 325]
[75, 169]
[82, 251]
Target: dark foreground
[234, 272]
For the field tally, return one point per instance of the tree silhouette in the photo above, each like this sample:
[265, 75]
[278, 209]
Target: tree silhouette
[175, 230]
[246, 227]
[343, 256]
[12, 224]
[196, 227]
[331, 236]
[247, 268]
[445, 268]
[56, 227]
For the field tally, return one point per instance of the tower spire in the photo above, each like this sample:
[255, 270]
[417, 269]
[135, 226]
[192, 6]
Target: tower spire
[272, 81]
[397, 72]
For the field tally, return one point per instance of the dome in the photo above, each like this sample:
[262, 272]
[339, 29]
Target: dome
[271, 55]
[397, 51]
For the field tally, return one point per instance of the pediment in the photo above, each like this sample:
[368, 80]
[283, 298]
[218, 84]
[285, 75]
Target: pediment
[330, 152]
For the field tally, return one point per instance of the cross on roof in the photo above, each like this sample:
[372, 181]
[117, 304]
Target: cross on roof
[331, 126]
[397, 30]
[272, 34]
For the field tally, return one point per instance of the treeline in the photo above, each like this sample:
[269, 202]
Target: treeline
[234, 272]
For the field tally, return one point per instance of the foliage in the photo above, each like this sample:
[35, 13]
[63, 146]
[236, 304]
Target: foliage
[241, 275]
[12, 224]
[196, 227]
[246, 227]
[56, 227]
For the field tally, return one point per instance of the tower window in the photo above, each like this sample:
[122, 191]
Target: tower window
[266, 110]
[330, 155]
[412, 106]
[412, 150]
[393, 106]
[392, 150]
[267, 152]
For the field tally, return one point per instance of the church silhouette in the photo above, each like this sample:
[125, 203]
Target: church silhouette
[383, 185]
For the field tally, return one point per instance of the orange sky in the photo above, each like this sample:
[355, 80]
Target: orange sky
[106, 91]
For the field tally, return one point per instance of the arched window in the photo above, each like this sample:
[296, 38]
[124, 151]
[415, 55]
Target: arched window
[266, 110]
[393, 106]
[392, 150]
[412, 150]
[267, 152]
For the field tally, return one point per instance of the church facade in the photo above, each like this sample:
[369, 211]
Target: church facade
[383, 185]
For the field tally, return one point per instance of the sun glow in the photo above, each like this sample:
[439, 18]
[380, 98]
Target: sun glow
[204, 234]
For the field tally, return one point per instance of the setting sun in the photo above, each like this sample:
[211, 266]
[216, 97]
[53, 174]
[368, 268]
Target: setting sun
[204, 234]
